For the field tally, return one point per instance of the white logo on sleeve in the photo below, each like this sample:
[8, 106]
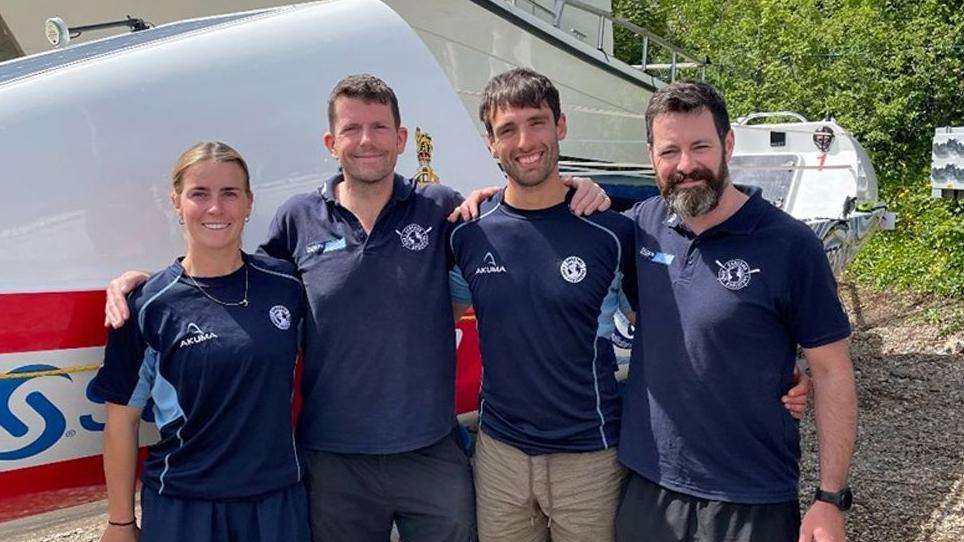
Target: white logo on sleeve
[734, 274]
[489, 266]
[573, 269]
[414, 237]
[196, 335]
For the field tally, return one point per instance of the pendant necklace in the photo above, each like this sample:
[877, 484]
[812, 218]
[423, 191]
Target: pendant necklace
[242, 303]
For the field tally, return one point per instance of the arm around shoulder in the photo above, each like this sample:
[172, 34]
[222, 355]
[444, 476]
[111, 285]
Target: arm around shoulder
[116, 309]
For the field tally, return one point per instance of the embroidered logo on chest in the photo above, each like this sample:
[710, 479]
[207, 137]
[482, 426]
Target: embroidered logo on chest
[414, 237]
[489, 266]
[657, 257]
[280, 317]
[734, 274]
[196, 336]
[573, 269]
[327, 246]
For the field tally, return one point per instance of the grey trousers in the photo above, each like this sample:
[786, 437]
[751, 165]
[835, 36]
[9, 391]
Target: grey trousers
[427, 493]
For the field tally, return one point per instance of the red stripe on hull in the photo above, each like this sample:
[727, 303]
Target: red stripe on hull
[51, 321]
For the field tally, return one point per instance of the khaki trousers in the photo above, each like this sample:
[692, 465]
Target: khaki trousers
[571, 497]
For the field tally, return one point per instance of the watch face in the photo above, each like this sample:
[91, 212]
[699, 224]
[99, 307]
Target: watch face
[842, 499]
[846, 499]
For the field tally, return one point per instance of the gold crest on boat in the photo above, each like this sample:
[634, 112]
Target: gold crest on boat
[423, 148]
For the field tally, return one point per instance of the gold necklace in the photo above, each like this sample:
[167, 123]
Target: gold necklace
[242, 303]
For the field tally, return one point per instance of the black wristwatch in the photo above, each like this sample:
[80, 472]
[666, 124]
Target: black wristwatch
[842, 499]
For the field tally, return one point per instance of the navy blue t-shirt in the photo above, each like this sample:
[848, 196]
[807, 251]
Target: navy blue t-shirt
[719, 321]
[220, 377]
[545, 285]
[379, 373]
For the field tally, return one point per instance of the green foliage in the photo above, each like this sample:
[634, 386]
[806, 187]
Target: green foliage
[889, 70]
[926, 251]
[949, 320]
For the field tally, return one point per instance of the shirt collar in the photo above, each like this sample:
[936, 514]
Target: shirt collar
[402, 188]
[743, 221]
[746, 218]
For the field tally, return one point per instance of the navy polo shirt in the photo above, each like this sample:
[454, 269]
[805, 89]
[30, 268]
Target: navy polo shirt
[379, 374]
[220, 377]
[719, 321]
[545, 285]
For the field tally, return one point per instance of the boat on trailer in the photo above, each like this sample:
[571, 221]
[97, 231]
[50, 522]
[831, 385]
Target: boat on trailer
[87, 134]
[816, 171]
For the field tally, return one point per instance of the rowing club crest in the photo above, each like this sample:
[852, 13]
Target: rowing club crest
[414, 237]
[573, 269]
[280, 317]
[734, 274]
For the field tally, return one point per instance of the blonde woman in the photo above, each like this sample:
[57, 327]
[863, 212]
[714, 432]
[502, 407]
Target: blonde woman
[212, 343]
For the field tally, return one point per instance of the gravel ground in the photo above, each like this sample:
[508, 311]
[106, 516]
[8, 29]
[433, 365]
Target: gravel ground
[908, 470]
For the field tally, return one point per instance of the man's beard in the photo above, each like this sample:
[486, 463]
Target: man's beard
[698, 200]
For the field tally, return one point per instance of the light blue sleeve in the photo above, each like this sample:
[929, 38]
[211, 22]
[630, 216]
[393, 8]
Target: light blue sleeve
[459, 288]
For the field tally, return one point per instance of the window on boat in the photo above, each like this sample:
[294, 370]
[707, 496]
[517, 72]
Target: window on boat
[773, 174]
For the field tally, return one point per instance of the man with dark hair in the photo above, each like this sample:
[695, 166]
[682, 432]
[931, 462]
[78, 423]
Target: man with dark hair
[733, 286]
[378, 424]
[545, 284]
[518, 88]
[367, 88]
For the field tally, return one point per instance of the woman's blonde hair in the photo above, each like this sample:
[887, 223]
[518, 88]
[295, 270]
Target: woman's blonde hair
[207, 151]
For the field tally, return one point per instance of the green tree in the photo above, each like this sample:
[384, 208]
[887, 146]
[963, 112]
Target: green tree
[890, 71]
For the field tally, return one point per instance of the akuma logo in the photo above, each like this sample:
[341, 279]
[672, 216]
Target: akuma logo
[196, 335]
[489, 265]
[54, 421]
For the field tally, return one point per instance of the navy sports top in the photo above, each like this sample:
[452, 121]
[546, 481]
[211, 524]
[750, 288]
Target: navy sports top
[545, 285]
[220, 377]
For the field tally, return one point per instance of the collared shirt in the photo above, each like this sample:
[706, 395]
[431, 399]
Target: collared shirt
[379, 353]
[719, 321]
[217, 378]
[545, 285]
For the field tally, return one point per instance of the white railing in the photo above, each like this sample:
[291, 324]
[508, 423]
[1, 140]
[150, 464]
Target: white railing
[680, 59]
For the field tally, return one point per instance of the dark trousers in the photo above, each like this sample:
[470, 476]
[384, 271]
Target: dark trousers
[650, 513]
[282, 515]
[427, 493]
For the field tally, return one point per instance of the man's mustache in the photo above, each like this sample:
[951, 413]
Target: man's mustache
[699, 174]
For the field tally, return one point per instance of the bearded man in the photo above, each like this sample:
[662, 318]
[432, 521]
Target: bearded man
[729, 287]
